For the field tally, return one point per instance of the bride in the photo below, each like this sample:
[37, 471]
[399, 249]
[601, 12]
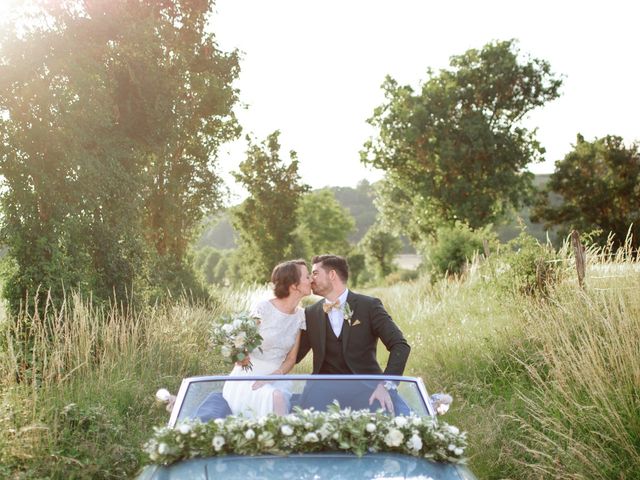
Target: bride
[281, 322]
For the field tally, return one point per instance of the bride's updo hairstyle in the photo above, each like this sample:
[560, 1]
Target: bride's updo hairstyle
[284, 275]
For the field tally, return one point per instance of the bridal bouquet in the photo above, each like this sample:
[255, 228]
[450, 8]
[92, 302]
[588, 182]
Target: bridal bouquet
[236, 336]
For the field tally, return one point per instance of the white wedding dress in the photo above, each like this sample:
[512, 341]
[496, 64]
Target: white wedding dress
[279, 331]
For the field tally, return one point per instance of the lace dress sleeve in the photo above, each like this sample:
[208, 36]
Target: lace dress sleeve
[258, 309]
[302, 322]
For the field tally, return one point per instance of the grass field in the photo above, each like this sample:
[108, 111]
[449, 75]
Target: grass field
[548, 386]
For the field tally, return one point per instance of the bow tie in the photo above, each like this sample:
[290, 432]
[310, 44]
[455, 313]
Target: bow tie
[327, 306]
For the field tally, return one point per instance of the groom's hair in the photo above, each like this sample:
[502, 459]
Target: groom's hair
[333, 262]
[284, 275]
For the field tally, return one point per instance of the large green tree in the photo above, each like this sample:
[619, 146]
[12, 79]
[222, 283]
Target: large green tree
[599, 186]
[324, 223]
[70, 180]
[456, 149]
[266, 221]
[110, 116]
[184, 85]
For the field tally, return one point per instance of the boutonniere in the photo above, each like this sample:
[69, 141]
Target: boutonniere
[348, 314]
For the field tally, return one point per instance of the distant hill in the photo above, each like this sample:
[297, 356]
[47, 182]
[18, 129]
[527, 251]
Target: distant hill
[359, 201]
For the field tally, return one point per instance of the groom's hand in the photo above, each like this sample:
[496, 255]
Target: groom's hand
[381, 395]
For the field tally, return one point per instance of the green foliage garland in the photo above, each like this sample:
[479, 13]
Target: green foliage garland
[306, 431]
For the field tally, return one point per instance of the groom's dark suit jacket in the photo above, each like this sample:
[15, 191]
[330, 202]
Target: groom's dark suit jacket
[369, 322]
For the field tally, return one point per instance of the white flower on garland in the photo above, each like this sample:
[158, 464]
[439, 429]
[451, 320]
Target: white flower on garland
[184, 428]
[415, 443]
[370, 427]
[311, 437]
[394, 438]
[266, 439]
[250, 434]
[286, 430]
[218, 442]
[453, 430]
[400, 422]
[325, 431]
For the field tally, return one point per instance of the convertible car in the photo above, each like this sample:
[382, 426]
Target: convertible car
[338, 439]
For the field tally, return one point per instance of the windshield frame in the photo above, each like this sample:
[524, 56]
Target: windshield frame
[187, 382]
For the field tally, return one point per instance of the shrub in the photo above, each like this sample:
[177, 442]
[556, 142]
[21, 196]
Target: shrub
[455, 247]
[527, 267]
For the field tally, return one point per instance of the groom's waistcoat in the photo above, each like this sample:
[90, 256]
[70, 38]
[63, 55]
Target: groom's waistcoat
[334, 362]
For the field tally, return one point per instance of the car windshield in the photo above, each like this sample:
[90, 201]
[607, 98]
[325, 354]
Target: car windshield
[208, 398]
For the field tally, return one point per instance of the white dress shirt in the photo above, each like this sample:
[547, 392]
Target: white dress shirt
[336, 315]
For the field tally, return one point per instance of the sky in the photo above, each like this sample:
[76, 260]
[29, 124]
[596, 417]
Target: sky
[313, 69]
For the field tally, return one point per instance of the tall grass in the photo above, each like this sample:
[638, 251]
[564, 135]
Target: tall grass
[77, 384]
[582, 417]
[548, 386]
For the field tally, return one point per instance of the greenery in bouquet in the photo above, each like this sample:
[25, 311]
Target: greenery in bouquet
[236, 336]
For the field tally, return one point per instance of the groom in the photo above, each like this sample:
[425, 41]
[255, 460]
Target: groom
[343, 331]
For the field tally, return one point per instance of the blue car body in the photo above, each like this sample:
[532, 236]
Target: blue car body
[194, 401]
[316, 466]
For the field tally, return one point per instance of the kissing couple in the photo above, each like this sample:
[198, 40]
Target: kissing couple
[342, 329]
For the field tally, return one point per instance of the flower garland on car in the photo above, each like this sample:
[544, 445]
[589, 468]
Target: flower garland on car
[306, 431]
[236, 337]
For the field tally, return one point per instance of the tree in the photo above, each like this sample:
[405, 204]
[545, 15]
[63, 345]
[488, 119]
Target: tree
[456, 149]
[110, 115]
[183, 84]
[599, 186]
[324, 223]
[206, 261]
[266, 221]
[70, 178]
[381, 247]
